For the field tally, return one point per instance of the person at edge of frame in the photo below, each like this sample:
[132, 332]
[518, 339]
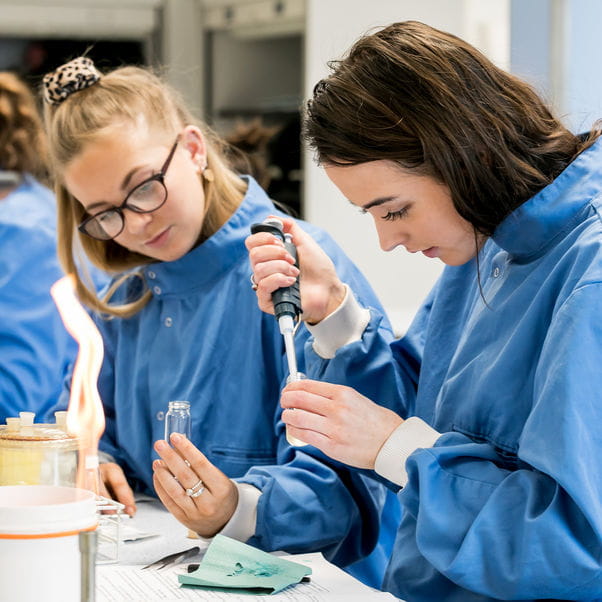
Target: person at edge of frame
[497, 454]
[35, 348]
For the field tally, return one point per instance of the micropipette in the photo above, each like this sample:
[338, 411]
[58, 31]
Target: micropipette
[286, 300]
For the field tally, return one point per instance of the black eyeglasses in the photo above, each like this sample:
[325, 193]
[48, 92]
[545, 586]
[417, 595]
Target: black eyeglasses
[146, 197]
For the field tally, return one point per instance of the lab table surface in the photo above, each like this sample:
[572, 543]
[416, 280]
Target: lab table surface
[126, 580]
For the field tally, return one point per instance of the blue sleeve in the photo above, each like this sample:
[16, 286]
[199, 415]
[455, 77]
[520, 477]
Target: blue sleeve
[384, 370]
[462, 495]
[336, 508]
[34, 346]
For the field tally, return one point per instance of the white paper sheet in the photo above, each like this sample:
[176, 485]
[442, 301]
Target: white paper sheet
[117, 583]
[127, 582]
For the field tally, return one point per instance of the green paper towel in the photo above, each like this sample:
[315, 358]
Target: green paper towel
[230, 564]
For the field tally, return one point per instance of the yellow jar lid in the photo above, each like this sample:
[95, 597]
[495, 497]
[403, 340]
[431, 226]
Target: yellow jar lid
[42, 434]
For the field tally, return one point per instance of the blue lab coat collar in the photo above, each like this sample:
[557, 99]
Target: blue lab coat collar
[528, 232]
[218, 253]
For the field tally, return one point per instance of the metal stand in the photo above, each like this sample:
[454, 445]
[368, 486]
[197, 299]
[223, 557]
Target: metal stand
[88, 541]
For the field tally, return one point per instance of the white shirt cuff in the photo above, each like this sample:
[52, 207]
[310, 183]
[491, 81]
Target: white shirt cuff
[346, 324]
[409, 436]
[104, 457]
[241, 525]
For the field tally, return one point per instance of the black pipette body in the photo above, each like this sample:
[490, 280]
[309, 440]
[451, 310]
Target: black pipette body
[286, 300]
[287, 305]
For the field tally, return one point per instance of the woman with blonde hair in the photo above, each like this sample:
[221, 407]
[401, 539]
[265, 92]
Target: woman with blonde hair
[34, 347]
[149, 195]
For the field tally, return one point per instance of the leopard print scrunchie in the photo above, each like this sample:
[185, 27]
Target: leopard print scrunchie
[78, 74]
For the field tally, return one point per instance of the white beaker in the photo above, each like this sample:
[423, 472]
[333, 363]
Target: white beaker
[39, 541]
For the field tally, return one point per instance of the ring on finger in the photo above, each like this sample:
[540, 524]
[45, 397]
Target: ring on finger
[190, 491]
[196, 493]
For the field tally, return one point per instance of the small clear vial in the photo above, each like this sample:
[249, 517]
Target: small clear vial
[293, 440]
[177, 419]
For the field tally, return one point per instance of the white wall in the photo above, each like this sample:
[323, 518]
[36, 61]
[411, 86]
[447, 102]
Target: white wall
[530, 45]
[264, 78]
[580, 93]
[182, 50]
[400, 279]
[556, 47]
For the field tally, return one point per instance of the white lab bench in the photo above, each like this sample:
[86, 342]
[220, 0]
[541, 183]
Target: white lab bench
[127, 581]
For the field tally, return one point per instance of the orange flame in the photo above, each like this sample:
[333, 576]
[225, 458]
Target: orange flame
[85, 416]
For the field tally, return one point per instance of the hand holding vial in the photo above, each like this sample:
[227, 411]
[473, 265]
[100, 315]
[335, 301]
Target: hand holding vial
[195, 491]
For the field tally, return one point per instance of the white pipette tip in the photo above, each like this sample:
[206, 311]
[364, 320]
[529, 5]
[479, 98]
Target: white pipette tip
[293, 440]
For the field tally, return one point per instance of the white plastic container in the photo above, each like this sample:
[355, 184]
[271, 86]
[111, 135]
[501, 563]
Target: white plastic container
[37, 454]
[39, 541]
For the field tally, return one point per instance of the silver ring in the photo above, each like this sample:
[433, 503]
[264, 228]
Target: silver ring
[187, 463]
[196, 493]
[191, 491]
[253, 283]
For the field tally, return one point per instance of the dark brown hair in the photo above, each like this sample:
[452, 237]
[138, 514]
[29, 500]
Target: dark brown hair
[249, 153]
[429, 101]
[22, 142]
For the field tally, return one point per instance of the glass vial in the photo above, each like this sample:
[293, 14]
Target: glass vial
[177, 419]
[293, 440]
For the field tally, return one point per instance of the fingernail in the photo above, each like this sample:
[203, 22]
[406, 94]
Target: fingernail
[161, 445]
[176, 437]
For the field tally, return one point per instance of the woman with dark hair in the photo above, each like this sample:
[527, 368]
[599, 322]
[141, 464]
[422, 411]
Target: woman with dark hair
[497, 450]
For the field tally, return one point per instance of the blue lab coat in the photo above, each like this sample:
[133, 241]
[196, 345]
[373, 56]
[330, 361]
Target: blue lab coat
[35, 348]
[202, 338]
[508, 503]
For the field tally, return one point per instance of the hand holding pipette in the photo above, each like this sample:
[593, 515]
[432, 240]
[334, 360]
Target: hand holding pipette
[322, 414]
[274, 267]
[287, 304]
[286, 299]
